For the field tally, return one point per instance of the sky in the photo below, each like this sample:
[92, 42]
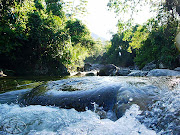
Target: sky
[99, 20]
[103, 22]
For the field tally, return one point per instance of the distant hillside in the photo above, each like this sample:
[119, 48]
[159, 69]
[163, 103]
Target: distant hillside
[95, 36]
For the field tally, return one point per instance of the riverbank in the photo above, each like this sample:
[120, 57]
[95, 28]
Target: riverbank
[112, 70]
[109, 70]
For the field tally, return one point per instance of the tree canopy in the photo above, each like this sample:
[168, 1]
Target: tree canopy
[154, 41]
[37, 37]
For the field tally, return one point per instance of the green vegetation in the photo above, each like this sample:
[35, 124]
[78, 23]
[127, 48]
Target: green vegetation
[39, 38]
[117, 52]
[42, 37]
[159, 46]
[154, 41]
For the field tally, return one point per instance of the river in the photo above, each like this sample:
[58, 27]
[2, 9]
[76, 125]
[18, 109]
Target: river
[90, 105]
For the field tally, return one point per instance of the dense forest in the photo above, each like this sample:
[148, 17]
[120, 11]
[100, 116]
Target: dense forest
[40, 37]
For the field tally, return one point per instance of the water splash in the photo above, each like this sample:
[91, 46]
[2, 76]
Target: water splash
[52, 120]
[159, 116]
[164, 115]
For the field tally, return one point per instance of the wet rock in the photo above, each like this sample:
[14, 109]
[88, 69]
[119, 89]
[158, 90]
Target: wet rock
[94, 93]
[163, 72]
[135, 67]
[90, 74]
[105, 97]
[138, 73]
[97, 67]
[177, 69]
[108, 70]
[123, 72]
[149, 66]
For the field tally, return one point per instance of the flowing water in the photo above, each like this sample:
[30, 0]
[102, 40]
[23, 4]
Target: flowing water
[92, 106]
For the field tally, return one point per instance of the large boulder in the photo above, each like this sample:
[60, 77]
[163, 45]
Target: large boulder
[177, 69]
[149, 66]
[108, 70]
[138, 73]
[80, 95]
[163, 72]
[123, 72]
[96, 67]
[109, 94]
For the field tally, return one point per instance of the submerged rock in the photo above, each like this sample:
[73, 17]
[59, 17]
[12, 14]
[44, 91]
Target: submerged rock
[101, 95]
[163, 72]
[70, 97]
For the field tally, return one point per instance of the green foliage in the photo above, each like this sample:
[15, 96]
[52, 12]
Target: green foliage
[153, 41]
[39, 5]
[77, 57]
[55, 6]
[77, 31]
[118, 53]
[37, 38]
[138, 37]
[97, 51]
[159, 46]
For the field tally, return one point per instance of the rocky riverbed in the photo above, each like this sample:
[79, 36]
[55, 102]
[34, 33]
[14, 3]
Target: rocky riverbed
[112, 70]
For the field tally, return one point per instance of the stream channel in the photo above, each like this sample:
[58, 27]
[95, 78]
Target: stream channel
[90, 106]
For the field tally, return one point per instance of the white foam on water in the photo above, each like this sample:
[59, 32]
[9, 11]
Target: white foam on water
[162, 115]
[46, 120]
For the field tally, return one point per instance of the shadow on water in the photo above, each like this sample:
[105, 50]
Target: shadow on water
[18, 83]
